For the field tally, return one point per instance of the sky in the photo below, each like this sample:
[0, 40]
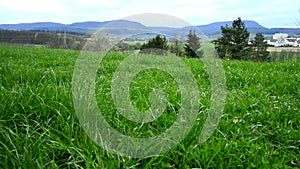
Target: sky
[268, 13]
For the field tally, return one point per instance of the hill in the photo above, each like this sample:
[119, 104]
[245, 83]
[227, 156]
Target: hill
[213, 29]
[74, 27]
[124, 27]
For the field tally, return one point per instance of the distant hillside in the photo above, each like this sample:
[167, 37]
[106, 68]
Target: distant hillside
[74, 27]
[116, 24]
[123, 27]
[253, 27]
[217, 25]
[214, 29]
[33, 26]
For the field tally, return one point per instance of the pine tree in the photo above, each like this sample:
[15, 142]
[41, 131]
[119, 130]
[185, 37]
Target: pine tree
[224, 44]
[192, 46]
[233, 43]
[260, 48]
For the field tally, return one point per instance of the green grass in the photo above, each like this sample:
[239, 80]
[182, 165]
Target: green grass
[284, 56]
[39, 128]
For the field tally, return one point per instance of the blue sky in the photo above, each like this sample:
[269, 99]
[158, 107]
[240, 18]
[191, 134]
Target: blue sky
[269, 13]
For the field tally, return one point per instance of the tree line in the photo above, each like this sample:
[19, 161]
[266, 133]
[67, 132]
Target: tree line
[233, 44]
[66, 40]
[160, 46]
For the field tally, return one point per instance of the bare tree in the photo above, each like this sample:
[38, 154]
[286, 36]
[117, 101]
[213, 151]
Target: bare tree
[99, 41]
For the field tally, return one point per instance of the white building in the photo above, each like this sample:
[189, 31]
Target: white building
[272, 42]
[291, 42]
[280, 40]
[280, 35]
[283, 42]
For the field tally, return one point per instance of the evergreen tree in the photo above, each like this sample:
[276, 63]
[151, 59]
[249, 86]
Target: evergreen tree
[224, 44]
[260, 48]
[192, 46]
[157, 46]
[233, 43]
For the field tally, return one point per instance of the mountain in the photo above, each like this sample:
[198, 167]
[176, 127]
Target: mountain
[125, 27]
[214, 29]
[115, 24]
[51, 26]
[74, 27]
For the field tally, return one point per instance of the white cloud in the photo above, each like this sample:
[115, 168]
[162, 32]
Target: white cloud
[32, 6]
[95, 3]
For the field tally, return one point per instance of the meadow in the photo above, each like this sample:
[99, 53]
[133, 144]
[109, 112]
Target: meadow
[39, 127]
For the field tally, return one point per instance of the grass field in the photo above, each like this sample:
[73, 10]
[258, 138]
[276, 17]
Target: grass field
[39, 128]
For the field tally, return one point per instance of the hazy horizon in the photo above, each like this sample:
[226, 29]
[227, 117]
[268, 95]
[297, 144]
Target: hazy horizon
[269, 13]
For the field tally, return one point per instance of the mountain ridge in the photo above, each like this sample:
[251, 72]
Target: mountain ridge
[212, 29]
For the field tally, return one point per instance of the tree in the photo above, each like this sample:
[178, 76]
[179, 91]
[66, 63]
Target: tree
[153, 46]
[224, 43]
[192, 46]
[98, 41]
[233, 43]
[260, 48]
[176, 48]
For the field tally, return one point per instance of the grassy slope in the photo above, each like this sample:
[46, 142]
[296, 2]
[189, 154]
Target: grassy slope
[38, 126]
